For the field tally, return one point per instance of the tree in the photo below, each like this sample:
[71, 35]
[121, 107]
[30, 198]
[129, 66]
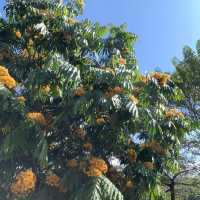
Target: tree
[187, 77]
[183, 183]
[72, 100]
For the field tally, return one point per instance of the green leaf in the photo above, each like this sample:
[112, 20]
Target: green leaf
[41, 152]
[100, 188]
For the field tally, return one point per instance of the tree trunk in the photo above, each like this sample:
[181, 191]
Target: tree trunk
[172, 191]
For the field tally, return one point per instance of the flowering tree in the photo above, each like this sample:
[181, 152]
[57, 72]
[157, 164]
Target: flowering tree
[77, 119]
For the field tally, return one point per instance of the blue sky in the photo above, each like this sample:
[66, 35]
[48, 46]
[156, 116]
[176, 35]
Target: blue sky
[163, 26]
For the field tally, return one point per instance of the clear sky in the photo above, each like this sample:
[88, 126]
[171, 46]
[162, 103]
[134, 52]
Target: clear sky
[163, 26]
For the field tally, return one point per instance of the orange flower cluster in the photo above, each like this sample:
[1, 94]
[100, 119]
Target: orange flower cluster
[3, 71]
[173, 113]
[117, 90]
[6, 79]
[113, 91]
[162, 78]
[18, 34]
[155, 146]
[132, 155]
[149, 165]
[87, 146]
[79, 92]
[24, 184]
[100, 120]
[134, 99]
[93, 172]
[122, 61]
[130, 184]
[53, 180]
[73, 163]
[144, 145]
[80, 132]
[37, 117]
[96, 167]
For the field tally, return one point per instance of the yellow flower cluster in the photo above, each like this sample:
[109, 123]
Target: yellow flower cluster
[162, 78]
[79, 92]
[53, 180]
[21, 99]
[80, 132]
[113, 91]
[132, 155]
[73, 163]
[6, 79]
[24, 184]
[96, 167]
[155, 146]
[134, 99]
[149, 165]
[173, 113]
[87, 146]
[37, 117]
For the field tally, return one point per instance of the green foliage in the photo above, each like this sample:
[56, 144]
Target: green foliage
[98, 189]
[187, 78]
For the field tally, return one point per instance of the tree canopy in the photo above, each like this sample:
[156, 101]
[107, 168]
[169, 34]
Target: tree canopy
[77, 118]
[187, 78]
